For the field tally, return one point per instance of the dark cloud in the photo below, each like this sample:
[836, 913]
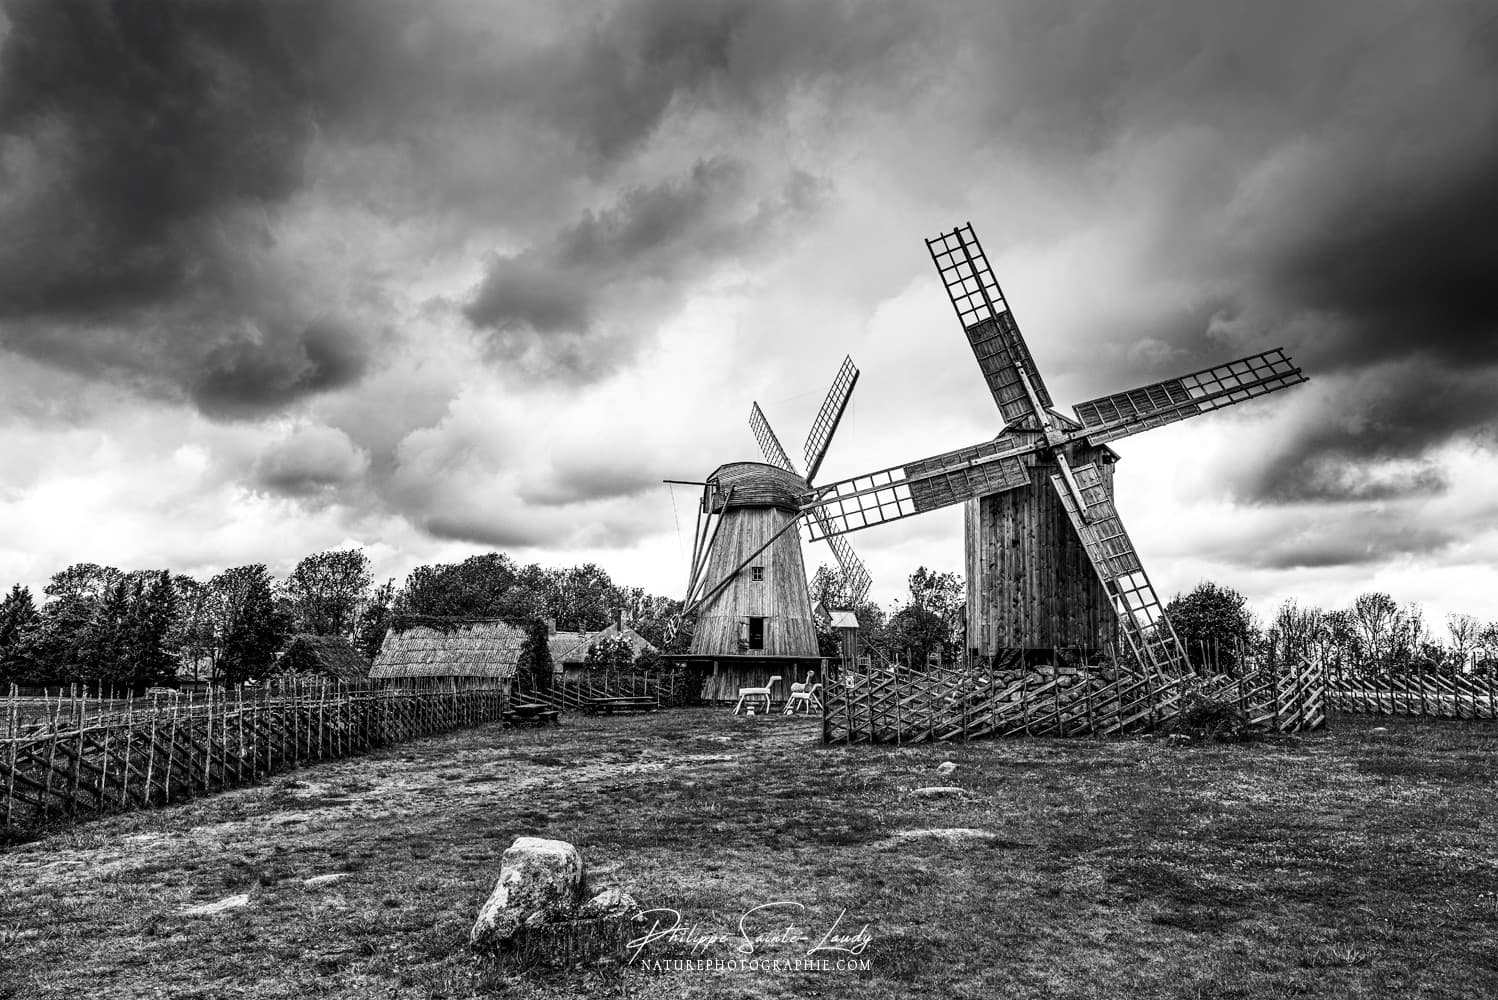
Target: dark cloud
[1304, 192]
[146, 147]
[588, 478]
[312, 462]
[1321, 542]
[544, 306]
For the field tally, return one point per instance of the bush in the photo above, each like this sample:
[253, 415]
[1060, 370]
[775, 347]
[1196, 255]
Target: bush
[1207, 719]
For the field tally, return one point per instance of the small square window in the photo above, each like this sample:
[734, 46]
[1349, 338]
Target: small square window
[757, 574]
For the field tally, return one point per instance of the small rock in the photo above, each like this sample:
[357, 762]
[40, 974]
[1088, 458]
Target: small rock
[946, 767]
[609, 903]
[209, 909]
[935, 791]
[1379, 730]
[318, 881]
[539, 881]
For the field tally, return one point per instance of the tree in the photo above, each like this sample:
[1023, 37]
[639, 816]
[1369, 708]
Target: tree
[533, 667]
[1464, 630]
[148, 632]
[19, 621]
[374, 619]
[915, 634]
[1214, 624]
[584, 599]
[247, 628]
[945, 596]
[612, 652]
[1374, 618]
[327, 589]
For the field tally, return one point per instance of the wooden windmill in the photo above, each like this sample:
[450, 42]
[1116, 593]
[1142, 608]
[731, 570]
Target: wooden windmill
[1049, 563]
[747, 583]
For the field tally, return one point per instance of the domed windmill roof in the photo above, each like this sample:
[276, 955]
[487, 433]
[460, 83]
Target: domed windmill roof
[757, 484]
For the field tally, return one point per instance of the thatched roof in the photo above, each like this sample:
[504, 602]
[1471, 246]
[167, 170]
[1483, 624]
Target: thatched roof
[577, 651]
[328, 655]
[480, 648]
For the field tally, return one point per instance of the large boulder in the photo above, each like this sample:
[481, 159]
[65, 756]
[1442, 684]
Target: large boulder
[539, 882]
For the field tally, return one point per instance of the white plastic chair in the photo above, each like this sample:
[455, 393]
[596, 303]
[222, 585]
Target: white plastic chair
[752, 692]
[807, 696]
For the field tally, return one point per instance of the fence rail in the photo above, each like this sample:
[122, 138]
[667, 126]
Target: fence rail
[1439, 694]
[940, 703]
[76, 763]
[669, 687]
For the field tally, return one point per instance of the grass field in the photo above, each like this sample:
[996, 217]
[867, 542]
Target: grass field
[1345, 864]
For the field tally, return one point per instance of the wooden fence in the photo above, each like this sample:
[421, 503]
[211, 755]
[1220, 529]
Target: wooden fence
[670, 686]
[1435, 693]
[73, 762]
[943, 703]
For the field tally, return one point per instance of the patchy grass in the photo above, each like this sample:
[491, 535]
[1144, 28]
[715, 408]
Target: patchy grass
[1344, 864]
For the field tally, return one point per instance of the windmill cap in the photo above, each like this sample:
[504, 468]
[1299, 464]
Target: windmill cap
[756, 484]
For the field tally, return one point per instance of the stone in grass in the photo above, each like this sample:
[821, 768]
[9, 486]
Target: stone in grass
[318, 881]
[611, 903]
[936, 791]
[539, 882]
[946, 767]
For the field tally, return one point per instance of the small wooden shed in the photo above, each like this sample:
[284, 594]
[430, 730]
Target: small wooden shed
[486, 647]
[569, 650]
[330, 656]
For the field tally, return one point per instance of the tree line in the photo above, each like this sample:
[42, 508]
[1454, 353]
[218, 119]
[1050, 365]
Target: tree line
[1374, 634]
[98, 625]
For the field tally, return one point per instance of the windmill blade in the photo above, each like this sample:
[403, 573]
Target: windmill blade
[768, 442]
[903, 491]
[1121, 414]
[855, 575]
[1002, 355]
[825, 425]
[1085, 497]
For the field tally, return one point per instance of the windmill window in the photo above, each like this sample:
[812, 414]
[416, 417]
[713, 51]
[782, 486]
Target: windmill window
[757, 574]
[756, 633]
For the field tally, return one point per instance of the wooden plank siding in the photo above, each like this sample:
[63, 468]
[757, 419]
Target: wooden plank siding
[780, 598]
[1030, 584]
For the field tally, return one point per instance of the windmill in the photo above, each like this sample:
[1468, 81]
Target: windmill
[747, 581]
[1049, 563]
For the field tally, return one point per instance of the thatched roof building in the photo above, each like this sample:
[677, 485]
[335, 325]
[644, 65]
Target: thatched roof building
[437, 648]
[326, 655]
[572, 647]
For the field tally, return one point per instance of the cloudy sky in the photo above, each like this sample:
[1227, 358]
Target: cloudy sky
[436, 278]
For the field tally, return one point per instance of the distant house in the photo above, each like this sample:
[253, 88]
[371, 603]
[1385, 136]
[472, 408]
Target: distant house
[569, 650]
[474, 648]
[330, 656]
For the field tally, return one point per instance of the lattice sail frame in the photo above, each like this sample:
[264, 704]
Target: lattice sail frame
[856, 576]
[1109, 418]
[986, 318]
[1141, 617]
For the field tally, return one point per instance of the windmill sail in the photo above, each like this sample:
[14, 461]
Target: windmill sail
[768, 442]
[938, 481]
[856, 579]
[991, 331]
[1123, 413]
[825, 425]
[1142, 619]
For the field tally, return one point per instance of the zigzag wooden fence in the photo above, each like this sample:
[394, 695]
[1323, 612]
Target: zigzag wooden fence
[1434, 693]
[941, 703]
[71, 763]
[669, 686]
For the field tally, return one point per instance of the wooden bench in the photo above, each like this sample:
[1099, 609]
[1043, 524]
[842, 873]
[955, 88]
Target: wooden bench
[623, 704]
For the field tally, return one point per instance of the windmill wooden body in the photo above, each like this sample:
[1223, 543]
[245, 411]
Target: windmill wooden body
[1049, 563]
[747, 584]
